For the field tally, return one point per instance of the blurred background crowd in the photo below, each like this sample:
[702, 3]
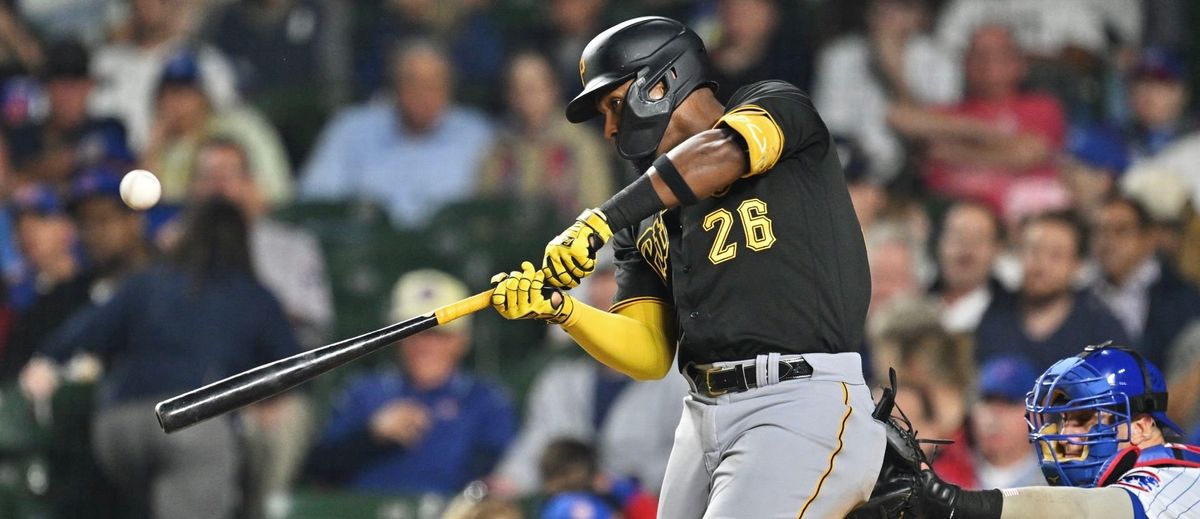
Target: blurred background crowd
[1026, 174]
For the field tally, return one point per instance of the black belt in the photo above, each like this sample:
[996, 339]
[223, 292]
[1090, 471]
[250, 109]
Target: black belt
[718, 381]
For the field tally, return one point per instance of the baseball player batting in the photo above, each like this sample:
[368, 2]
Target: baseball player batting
[1098, 422]
[737, 251]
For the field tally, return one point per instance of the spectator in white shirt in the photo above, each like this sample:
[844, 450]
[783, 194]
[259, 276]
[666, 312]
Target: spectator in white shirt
[127, 72]
[860, 75]
[969, 244]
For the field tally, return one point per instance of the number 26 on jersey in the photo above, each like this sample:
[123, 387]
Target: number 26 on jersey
[755, 224]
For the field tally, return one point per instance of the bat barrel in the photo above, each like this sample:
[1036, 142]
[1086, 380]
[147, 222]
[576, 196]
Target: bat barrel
[271, 379]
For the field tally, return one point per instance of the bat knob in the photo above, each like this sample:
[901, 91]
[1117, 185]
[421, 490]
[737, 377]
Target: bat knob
[594, 245]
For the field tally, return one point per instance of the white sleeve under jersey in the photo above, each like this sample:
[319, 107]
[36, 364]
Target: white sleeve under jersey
[1163, 492]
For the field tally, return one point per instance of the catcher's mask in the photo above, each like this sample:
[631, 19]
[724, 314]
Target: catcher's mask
[1096, 395]
[648, 50]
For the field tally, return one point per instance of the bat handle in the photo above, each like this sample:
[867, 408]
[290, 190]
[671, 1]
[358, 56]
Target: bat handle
[467, 306]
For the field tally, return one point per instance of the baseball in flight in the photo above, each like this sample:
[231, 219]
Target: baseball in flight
[140, 189]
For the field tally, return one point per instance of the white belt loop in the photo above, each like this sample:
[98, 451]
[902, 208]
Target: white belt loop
[772, 369]
[760, 370]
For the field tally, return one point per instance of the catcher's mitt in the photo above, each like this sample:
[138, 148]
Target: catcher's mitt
[907, 488]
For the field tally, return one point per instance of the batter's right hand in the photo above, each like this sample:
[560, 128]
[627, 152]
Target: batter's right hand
[522, 295]
[571, 256]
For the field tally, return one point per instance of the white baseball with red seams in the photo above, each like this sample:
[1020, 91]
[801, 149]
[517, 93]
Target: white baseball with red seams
[140, 189]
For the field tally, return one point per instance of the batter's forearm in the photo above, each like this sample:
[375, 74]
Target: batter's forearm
[708, 162]
[634, 342]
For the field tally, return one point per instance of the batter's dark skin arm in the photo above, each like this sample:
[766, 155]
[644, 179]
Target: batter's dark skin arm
[708, 159]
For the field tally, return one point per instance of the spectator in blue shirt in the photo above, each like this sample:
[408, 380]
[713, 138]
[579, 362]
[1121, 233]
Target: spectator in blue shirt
[52, 148]
[1046, 319]
[1158, 95]
[46, 238]
[427, 426]
[412, 154]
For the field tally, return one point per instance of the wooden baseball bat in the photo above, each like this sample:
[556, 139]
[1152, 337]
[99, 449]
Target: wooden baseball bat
[271, 379]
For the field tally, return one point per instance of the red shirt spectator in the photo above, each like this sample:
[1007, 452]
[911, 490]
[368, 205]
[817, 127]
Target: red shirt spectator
[998, 138]
[1019, 115]
[955, 463]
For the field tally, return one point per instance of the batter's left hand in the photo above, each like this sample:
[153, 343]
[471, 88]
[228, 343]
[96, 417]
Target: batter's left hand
[519, 295]
[571, 256]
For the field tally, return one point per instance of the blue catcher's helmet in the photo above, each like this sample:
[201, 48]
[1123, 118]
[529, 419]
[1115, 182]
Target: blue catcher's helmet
[1111, 384]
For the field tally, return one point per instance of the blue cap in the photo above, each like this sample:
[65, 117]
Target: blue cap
[93, 183]
[37, 199]
[1099, 147]
[182, 68]
[1159, 63]
[577, 505]
[1007, 378]
[104, 143]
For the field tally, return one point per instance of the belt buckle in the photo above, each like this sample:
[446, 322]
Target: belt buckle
[708, 382]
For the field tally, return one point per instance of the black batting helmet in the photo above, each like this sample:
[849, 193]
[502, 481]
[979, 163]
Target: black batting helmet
[647, 50]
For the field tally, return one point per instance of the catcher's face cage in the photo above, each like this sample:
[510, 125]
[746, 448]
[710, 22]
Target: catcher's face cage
[1050, 406]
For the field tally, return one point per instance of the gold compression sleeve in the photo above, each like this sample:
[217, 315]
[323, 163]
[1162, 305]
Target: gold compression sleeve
[633, 338]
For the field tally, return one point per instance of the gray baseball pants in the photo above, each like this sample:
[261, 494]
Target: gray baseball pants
[804, 447]
[190, 474]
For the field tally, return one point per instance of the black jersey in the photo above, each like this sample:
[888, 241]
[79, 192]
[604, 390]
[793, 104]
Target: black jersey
[775, 262]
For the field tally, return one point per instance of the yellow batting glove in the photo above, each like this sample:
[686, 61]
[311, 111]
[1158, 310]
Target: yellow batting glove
[518, 295]
[571, 256]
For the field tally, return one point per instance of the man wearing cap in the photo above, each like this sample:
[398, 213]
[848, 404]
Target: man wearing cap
[1003, 458]
[1158, 97]
[425, 426]
[50, 150]
[185, 116]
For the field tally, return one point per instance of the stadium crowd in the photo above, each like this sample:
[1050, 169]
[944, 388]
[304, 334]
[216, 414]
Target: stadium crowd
[1026, 174]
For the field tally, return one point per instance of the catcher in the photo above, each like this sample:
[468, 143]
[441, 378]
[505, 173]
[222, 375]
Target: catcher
[1098, 423]
[738, 252]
